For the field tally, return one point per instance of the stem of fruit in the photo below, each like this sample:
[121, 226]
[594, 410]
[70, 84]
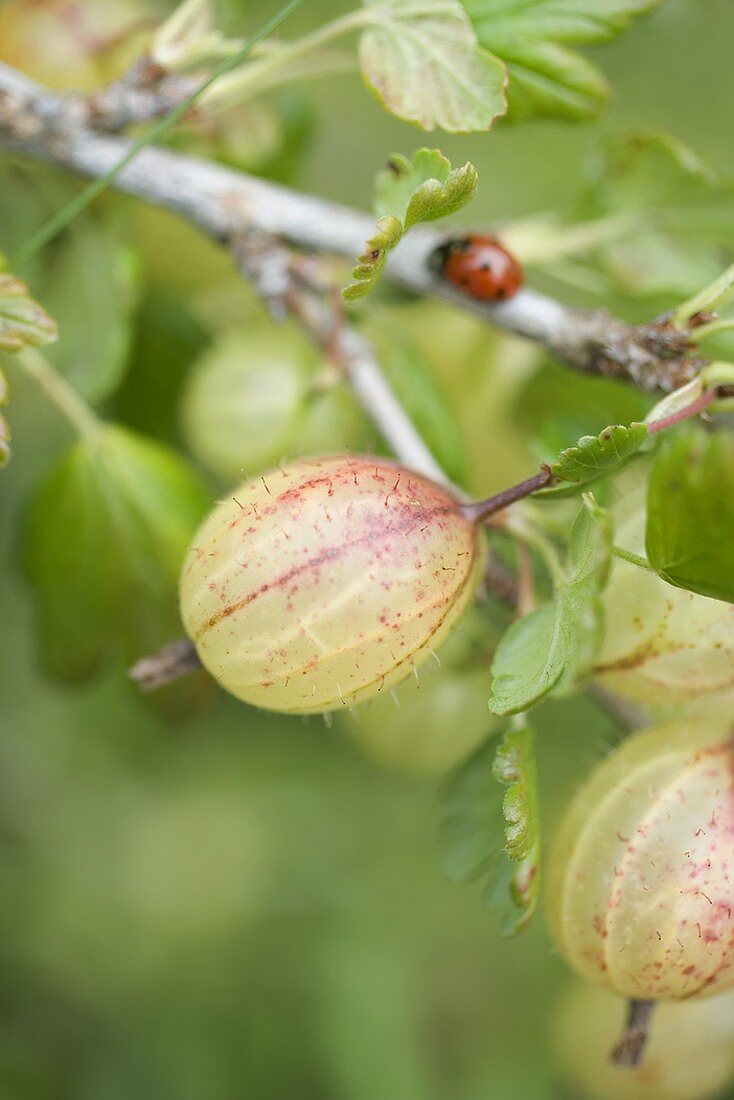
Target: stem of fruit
[481, 510]
[522, 528]
[165, 665]
[69, 403]
[630, 1049]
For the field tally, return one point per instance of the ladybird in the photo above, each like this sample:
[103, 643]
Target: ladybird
[480, 267]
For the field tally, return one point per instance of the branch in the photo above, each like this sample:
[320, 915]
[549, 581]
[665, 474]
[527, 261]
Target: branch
[224, 202]
[289, 284]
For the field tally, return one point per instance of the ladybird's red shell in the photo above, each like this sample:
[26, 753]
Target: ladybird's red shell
[480, 267]
[327, 581]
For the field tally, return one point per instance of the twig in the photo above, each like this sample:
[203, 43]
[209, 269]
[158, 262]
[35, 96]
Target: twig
[220, 200]
[630, 1049]
[482, 509]
[290, 285]
[145, 92]
[165, 666]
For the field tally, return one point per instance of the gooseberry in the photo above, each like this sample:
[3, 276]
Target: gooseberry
[259, 395]
[436, 719]
[641, 875]
[663, 646]
[689, 1056]
[327, 581]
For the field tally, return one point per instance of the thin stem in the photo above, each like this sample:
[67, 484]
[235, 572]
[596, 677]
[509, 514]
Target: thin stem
[67, 400]
[707, 398]
[530, 535]
[706, 299]
[258, 75]
[482, 509]
[166, 665]
[525, 581]
[154, 134]
[630, 1050]
[633, 559]
[712, 328]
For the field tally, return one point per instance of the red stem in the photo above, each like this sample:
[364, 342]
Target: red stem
[687, 411]
[483, 509]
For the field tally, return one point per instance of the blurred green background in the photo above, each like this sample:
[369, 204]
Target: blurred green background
[219, 904]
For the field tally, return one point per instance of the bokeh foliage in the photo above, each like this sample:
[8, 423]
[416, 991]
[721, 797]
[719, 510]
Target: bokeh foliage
[216, 903]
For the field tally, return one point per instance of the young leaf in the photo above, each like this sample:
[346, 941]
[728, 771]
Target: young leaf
[554, 647]
[690, 512]
[409, 191]
[514, 766]
[423, 188]
[368, 268]
[422, 59]
[474, 842]
[22, 320]
[4, 426]
[596, 455]
[106, 534]
[546, 78]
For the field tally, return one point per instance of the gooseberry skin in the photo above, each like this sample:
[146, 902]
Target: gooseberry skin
[434, 720]
[254, 396]
[641, 874]
[327, 581]
[662, 646]
[689, 1055]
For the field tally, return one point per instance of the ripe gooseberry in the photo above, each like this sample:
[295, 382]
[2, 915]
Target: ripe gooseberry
[433, 720]
[641, 874]
[689, 1056]
[326, 581]
[255, 396]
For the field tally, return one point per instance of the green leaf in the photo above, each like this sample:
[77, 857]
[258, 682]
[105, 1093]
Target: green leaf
[407, 192]
[368, 268]
[471, 824]
[528, 661]
[690, 512]
[422, 59]
[485, 835]
[514, 766]
[555, 407]
[554, 647]
[547, 79]
[417, 390]
[4, 426]
[86, 278]
[22, 320]
[105, 538]
[596, 455]
[423, 188]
